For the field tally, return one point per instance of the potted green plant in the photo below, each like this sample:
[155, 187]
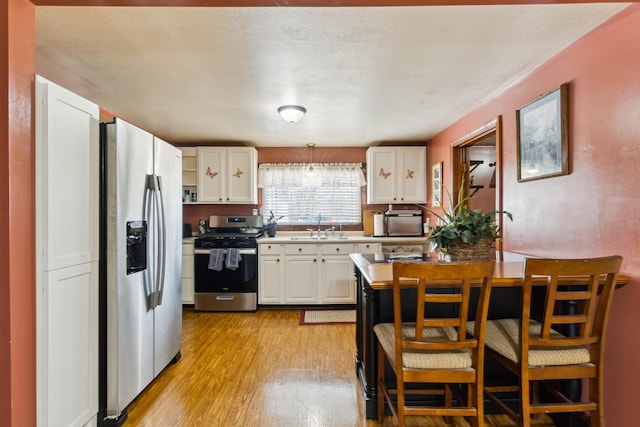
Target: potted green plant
[464, 234]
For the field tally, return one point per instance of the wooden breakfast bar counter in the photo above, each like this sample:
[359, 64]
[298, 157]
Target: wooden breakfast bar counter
[374, 304]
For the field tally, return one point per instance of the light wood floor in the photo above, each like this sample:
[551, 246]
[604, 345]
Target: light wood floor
[264, 370]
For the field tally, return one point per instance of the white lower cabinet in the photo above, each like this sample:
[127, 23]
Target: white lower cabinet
[301, 274]
[67, 331]
[270, 275]
[301, 279]
[336, 274]
[188, 286]
[306, 273]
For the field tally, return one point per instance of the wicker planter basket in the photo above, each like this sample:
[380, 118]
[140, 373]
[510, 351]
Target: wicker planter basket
[460, 251]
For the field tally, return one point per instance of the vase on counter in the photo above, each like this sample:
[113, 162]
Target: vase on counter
[461, 251]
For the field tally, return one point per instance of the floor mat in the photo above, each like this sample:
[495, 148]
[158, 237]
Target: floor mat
[320, 317]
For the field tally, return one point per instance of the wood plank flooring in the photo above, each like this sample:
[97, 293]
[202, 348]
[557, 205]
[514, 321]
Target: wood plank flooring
[263, 369]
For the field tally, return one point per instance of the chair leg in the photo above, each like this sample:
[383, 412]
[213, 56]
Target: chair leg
[535, 395]
[401, 401]
[525, 414]
[447, 401]
[596, 394]
[380, 385]
[476, 390]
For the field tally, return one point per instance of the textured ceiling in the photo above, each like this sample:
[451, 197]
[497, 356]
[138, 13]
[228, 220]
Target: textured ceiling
[365, 75]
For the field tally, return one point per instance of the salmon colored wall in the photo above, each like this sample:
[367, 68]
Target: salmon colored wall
[599, 197]
[17, 207]
[593, 210]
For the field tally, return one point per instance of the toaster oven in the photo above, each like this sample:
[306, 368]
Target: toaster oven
[404, 223]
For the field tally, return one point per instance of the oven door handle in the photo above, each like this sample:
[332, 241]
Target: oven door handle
[252, 251]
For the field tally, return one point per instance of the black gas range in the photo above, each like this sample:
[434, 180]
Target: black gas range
[214, 239]
[226, 264]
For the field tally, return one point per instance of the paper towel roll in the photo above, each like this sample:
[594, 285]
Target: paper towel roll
[378, 225]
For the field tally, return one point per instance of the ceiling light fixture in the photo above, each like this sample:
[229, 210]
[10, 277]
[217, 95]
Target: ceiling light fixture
[292, 113]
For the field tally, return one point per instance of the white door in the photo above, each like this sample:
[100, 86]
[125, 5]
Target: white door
[337, 280]
[270, 277]
[211, 175]
[67, 160]
[301, 279]
[381, 175]
[241, 173]
[412, 175]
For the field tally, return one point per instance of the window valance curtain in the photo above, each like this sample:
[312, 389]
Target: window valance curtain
[310, 175]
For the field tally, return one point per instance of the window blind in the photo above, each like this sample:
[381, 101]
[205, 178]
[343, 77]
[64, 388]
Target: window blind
[300, 192]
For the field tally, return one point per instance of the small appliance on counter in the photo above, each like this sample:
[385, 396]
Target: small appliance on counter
[404, 223]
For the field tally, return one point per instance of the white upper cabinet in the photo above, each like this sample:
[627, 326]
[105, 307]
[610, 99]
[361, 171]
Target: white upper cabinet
[67, 176]
[227, 175]
[396, 175]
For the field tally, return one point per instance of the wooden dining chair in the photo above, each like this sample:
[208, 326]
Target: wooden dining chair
[433, 349]
[538, 351]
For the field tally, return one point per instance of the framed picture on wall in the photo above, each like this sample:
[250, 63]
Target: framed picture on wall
[542, 136]
[436, 185]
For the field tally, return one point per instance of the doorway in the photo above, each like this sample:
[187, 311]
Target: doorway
[476, 161]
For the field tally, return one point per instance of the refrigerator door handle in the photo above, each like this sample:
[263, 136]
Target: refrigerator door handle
[162, 250]
[148, 280]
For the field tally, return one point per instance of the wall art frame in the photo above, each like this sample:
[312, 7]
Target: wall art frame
[542, 133]
[436, 185]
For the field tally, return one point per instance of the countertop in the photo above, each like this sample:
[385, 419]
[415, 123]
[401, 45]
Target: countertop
[377, 271]
[348, 237]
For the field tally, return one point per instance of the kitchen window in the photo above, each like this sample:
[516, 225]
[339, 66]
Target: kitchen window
[300, 192]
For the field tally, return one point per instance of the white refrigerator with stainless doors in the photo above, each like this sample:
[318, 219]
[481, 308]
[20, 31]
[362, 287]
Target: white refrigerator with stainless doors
[141, 263]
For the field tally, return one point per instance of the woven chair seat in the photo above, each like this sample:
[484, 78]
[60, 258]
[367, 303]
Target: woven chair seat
[502, 337]
[420, 359]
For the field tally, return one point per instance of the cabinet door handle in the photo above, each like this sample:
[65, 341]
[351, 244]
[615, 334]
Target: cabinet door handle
[337, 249]
[299, 249]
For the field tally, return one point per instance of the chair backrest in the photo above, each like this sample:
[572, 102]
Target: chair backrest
[458, 278]
[578, 280]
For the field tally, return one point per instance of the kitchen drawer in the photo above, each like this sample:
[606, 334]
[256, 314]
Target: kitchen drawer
[368, 248]
[187, 246]
[269, 249]
[336, 248]
[300, 249]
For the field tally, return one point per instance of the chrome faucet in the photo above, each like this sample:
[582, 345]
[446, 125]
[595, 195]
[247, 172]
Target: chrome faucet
[319, 216]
